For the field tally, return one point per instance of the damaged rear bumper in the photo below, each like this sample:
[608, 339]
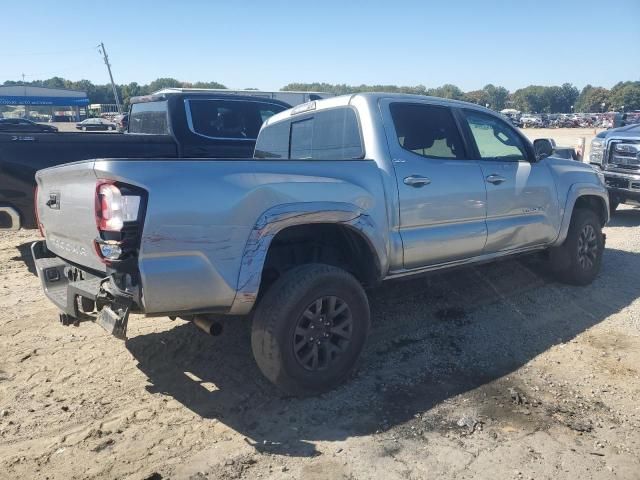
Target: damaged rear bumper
[82, 294]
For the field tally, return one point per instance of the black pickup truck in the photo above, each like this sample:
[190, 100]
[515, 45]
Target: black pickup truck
[170, 125]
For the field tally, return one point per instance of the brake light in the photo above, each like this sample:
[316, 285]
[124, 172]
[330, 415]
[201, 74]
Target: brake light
[113, 208]
[117, 205]
[109, 208]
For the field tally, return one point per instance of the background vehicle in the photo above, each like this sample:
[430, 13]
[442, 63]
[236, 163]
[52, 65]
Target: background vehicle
[61, 118]
[530, 121]
[617, 153]
[171, 125]
[23, 125]
[340, 195]
[121, 121]
[95, 124]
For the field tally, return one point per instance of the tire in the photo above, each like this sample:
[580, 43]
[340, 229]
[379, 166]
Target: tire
[84, 129]
[578, 260]
[612, 207]
[288, 317]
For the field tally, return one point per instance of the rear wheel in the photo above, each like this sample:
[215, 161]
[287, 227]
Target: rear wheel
[578, 260]
[309, 329]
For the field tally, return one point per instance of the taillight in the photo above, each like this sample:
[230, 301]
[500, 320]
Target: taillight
[116, 207]
[113, 208]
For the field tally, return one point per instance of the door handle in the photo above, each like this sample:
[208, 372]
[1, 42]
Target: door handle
[416, 181]
[496, 179]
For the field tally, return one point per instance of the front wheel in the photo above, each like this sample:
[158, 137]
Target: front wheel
[578, 260]
[309, 329]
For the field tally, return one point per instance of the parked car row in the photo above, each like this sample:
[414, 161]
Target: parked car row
[95, 124]
[22, 125]
[564, 120]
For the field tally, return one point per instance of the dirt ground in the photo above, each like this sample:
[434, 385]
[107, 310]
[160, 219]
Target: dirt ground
[564, 137]
[494, 372]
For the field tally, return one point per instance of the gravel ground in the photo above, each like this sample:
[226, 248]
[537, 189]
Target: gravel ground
[489, 372]
[564, 137]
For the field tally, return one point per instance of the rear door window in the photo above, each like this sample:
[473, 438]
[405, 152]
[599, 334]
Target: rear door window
[427, 130]
[150, 118]
[228, 119]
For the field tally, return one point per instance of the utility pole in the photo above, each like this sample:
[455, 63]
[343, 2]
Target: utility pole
[102, 50]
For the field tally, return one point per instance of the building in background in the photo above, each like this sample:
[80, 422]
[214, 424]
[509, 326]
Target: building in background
[41, 104]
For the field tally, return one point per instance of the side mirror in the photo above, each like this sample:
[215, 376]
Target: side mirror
[543, 147]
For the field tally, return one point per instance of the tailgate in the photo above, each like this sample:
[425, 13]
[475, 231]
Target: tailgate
[66, 210]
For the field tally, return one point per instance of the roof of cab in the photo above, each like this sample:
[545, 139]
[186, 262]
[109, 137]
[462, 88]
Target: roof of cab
[372, 97]
[165, 94]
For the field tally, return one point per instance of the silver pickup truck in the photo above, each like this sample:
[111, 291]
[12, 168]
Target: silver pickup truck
[340, 195]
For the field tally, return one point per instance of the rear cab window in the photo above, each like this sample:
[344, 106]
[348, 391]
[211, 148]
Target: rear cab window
[228, 119]
[332, 134]
[149, 118]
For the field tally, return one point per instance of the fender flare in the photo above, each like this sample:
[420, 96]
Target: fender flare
[576, 191]
[276, 219]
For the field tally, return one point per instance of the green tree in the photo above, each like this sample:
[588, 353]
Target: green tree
[497, 97]
[530, 99]
[160, 83]
[591, 99]
[479, 97]
[447, 91]
[206, 85]
[569, 96]
[625, 94]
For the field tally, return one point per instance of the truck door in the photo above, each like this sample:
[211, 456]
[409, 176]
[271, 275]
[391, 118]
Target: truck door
[441, 190]
[522, 204]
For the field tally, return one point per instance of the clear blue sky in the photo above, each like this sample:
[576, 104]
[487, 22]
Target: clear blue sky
[267, 44]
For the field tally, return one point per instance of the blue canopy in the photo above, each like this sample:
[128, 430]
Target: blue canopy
[57, 101]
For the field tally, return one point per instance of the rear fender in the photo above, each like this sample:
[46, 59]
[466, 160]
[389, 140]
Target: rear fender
[280, 217]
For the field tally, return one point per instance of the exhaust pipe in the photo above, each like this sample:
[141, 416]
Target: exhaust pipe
[208, 325]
